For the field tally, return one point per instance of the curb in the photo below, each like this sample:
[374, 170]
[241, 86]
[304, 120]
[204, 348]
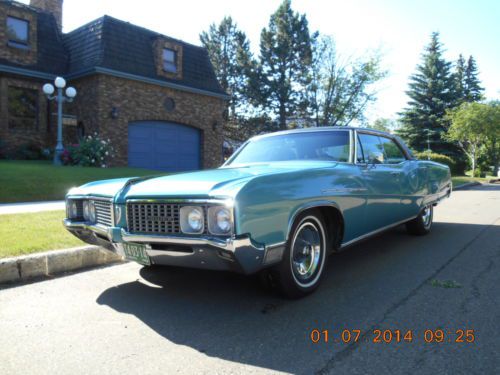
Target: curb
[467, 185]
[50, 263]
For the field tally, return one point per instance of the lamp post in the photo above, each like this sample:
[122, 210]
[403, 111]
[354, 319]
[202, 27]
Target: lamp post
[60, 98]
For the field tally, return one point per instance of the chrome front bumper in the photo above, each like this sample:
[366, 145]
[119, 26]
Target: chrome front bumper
[238, 253]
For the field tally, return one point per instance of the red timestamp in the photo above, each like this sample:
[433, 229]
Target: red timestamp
[380, 336]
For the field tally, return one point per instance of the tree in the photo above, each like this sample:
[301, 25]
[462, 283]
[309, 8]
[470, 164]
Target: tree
[229, 51]
[473, 92]
[432, 92]
[467, 85]
[459, 78]
[384, 124]
[475, 126]
[340, 91]
[285, 60]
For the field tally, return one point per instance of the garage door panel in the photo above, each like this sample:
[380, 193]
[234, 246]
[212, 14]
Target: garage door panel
[163, 146]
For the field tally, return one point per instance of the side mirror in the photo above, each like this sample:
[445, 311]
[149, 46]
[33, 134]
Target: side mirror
[375, 157]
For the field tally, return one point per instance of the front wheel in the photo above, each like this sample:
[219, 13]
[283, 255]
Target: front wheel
[302, 267]
[422, 223]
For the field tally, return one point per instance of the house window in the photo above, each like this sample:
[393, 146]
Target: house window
[22, 104]
[169, 60]
[17, 31]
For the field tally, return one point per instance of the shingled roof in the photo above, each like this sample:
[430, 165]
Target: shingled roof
[113, 46]
[123, 47]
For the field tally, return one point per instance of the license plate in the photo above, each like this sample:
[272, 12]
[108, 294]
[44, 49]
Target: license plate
[137, 253]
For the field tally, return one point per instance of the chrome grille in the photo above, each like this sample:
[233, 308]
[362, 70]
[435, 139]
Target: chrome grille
[104, 212]
[153, 218]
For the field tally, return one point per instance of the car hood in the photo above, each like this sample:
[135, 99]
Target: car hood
[221, 182]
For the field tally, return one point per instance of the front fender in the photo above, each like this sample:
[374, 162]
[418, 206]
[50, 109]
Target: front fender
[267, 206]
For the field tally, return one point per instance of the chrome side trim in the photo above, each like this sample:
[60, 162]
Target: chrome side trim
[344, 190]
[364, 236]
[351, 147]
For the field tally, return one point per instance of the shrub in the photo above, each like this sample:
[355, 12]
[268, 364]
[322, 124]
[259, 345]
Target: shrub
[2, 145]
[28, 151]
[439, 158]
[92, 151]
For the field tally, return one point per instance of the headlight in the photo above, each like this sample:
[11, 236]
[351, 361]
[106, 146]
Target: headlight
[86, 210]
[89, 211]
[192, 220]
[92, 212]
[72, 207]
[219, 220]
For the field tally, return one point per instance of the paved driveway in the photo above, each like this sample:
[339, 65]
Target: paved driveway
[126, 319]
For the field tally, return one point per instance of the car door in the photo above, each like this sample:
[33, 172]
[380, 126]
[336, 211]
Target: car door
[382, 172]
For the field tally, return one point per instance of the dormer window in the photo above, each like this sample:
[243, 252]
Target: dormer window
[17, 32]
[169, 60]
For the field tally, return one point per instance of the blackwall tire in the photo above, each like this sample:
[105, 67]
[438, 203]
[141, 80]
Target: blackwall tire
[422, 224]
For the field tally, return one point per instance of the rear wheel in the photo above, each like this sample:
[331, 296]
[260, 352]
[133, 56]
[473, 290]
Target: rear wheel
[422, 223]
[303, 264]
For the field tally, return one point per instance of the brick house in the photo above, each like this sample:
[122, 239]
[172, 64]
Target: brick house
[155, 97]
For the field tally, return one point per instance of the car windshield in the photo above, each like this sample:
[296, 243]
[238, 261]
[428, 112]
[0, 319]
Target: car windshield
[317, 145]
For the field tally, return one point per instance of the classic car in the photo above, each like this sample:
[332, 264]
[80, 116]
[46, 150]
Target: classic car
[280, 205]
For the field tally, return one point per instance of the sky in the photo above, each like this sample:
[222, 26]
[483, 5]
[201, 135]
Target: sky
[400, 28]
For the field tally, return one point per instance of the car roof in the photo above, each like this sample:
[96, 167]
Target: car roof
[322, 128]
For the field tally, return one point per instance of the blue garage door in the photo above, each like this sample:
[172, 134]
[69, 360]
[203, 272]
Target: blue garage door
[163, 146]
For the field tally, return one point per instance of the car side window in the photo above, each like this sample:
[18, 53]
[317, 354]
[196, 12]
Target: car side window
[373, 151]
[392, 153]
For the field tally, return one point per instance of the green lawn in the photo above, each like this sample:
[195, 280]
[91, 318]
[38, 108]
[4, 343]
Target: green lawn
[24, 181]
[34, 232]
[460, 180]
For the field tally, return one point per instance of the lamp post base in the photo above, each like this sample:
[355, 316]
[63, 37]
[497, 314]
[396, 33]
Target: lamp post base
[57, 156]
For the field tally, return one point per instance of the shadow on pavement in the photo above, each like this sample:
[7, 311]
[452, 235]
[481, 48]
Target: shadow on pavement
[229, 317]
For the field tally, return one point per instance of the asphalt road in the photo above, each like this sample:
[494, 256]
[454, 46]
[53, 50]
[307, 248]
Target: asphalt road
[125, 319]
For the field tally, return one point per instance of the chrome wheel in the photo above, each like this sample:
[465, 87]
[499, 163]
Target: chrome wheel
[307, 252]
[427, 216]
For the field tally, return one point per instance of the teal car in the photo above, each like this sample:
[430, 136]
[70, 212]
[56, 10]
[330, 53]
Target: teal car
[280, 205]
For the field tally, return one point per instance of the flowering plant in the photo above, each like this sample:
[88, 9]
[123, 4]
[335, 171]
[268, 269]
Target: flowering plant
[92, 151]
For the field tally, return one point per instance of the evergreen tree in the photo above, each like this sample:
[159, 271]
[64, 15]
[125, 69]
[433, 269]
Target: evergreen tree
[459, 77]
[432, 92]
[229, 51]
[473, 92]
[285, 60]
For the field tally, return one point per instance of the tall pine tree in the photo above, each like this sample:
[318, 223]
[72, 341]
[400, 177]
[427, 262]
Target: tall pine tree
[467, 85]
[473, 92]
[431, 91]
[285, 60]
[459, 78]
[229, 51]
